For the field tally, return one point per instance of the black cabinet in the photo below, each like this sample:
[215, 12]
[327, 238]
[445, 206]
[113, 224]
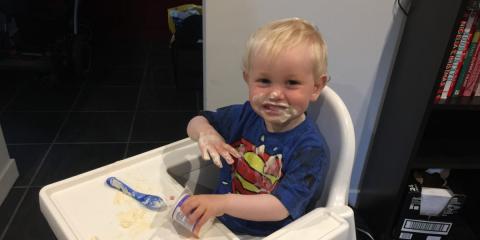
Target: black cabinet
[413, 132]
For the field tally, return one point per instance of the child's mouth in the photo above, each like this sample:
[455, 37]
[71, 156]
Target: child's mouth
[275, 108]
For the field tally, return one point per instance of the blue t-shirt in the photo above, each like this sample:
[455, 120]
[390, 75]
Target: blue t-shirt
[290, 165]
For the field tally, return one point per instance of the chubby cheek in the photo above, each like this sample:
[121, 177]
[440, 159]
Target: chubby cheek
[301, 106]
[257, 98]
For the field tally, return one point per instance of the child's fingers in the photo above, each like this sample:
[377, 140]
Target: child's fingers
[204, 150]
[228, 158]
[200, 223]
[208, 153]
[189, 205]
[233, 151]
[196, 214]
[227, 152]
[215, 158]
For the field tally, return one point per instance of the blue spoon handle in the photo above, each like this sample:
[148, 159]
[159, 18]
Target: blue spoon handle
[119, 185]
[150, 201]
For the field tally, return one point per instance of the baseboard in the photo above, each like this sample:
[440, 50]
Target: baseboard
[8, 176]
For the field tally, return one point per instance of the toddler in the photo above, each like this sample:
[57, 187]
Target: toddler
[273, 160]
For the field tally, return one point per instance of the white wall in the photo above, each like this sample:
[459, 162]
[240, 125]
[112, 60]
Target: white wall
[8, 169]
[362, 38]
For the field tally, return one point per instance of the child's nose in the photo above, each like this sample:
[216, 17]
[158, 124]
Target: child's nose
[275, 94]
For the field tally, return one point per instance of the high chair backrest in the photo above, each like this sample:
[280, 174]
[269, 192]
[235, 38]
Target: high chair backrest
[333, 119]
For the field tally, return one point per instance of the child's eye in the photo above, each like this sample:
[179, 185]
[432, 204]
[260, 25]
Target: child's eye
[263, 81]
[293, 82]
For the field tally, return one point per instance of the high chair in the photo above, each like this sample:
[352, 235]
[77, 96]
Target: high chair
[166, 170]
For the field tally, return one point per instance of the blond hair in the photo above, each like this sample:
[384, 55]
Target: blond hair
[275, 37]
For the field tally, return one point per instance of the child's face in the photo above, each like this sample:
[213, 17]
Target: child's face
[280, 90]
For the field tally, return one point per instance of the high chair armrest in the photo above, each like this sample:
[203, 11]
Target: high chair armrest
[320, 223]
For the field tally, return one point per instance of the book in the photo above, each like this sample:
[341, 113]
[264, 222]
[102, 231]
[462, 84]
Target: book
[459, 55]
[451, 57]
[472, 75]
[477, 89]
[472, 72]
[467, 62]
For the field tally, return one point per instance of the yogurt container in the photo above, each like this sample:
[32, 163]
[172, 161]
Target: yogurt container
[180, 218]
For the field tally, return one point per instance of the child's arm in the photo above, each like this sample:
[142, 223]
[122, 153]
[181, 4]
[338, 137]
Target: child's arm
[259, 207]
[211, 143]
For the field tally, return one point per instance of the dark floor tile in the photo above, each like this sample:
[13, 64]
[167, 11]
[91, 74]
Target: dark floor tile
[27, 158]
[31, 127]
[16, 79]
[120, 54]
[29, 222]
[13, 78]
[188, 68]
[6, 95]
[159, 76]
[67, 160]
[10, 83]
[96, 127]
[45, 80]
[161, 58]
[107, 98]
[157, 98]
[161, 46]
[44, 98]
[138, 148]
[116, 76]
[8, 206]
[160, 126]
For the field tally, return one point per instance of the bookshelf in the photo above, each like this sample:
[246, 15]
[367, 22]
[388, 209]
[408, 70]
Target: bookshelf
[413, 132]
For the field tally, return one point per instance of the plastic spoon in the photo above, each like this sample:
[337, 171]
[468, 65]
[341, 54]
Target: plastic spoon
[150, 201]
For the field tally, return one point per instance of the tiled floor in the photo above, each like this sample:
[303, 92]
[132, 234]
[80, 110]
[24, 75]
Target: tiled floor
[126, 105]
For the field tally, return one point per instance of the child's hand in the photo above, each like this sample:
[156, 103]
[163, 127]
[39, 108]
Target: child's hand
[203, 207]
[212, 146]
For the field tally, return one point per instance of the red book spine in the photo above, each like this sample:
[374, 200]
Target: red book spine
[451, 57]
[469, 85]
[477, 89]
[472, 69]
[467, 37]
[475, 85]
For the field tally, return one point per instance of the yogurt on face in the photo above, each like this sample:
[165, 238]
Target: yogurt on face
[282, 111]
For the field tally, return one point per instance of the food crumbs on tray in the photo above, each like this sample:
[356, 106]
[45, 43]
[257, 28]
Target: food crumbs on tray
[171, 197]
[128, 218]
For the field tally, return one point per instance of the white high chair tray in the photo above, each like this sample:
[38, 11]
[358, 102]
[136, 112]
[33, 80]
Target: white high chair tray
[84, 207]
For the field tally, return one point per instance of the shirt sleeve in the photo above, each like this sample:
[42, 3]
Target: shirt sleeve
[224, 119]
[303, 181]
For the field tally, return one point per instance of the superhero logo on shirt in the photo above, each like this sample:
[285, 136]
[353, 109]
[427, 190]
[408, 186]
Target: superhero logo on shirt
[256, 171]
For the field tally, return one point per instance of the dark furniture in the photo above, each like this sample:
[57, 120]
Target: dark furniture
[187, 53]
[413, 132]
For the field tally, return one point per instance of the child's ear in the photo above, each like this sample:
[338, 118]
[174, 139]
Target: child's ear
[245, 77]
[319, 84]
